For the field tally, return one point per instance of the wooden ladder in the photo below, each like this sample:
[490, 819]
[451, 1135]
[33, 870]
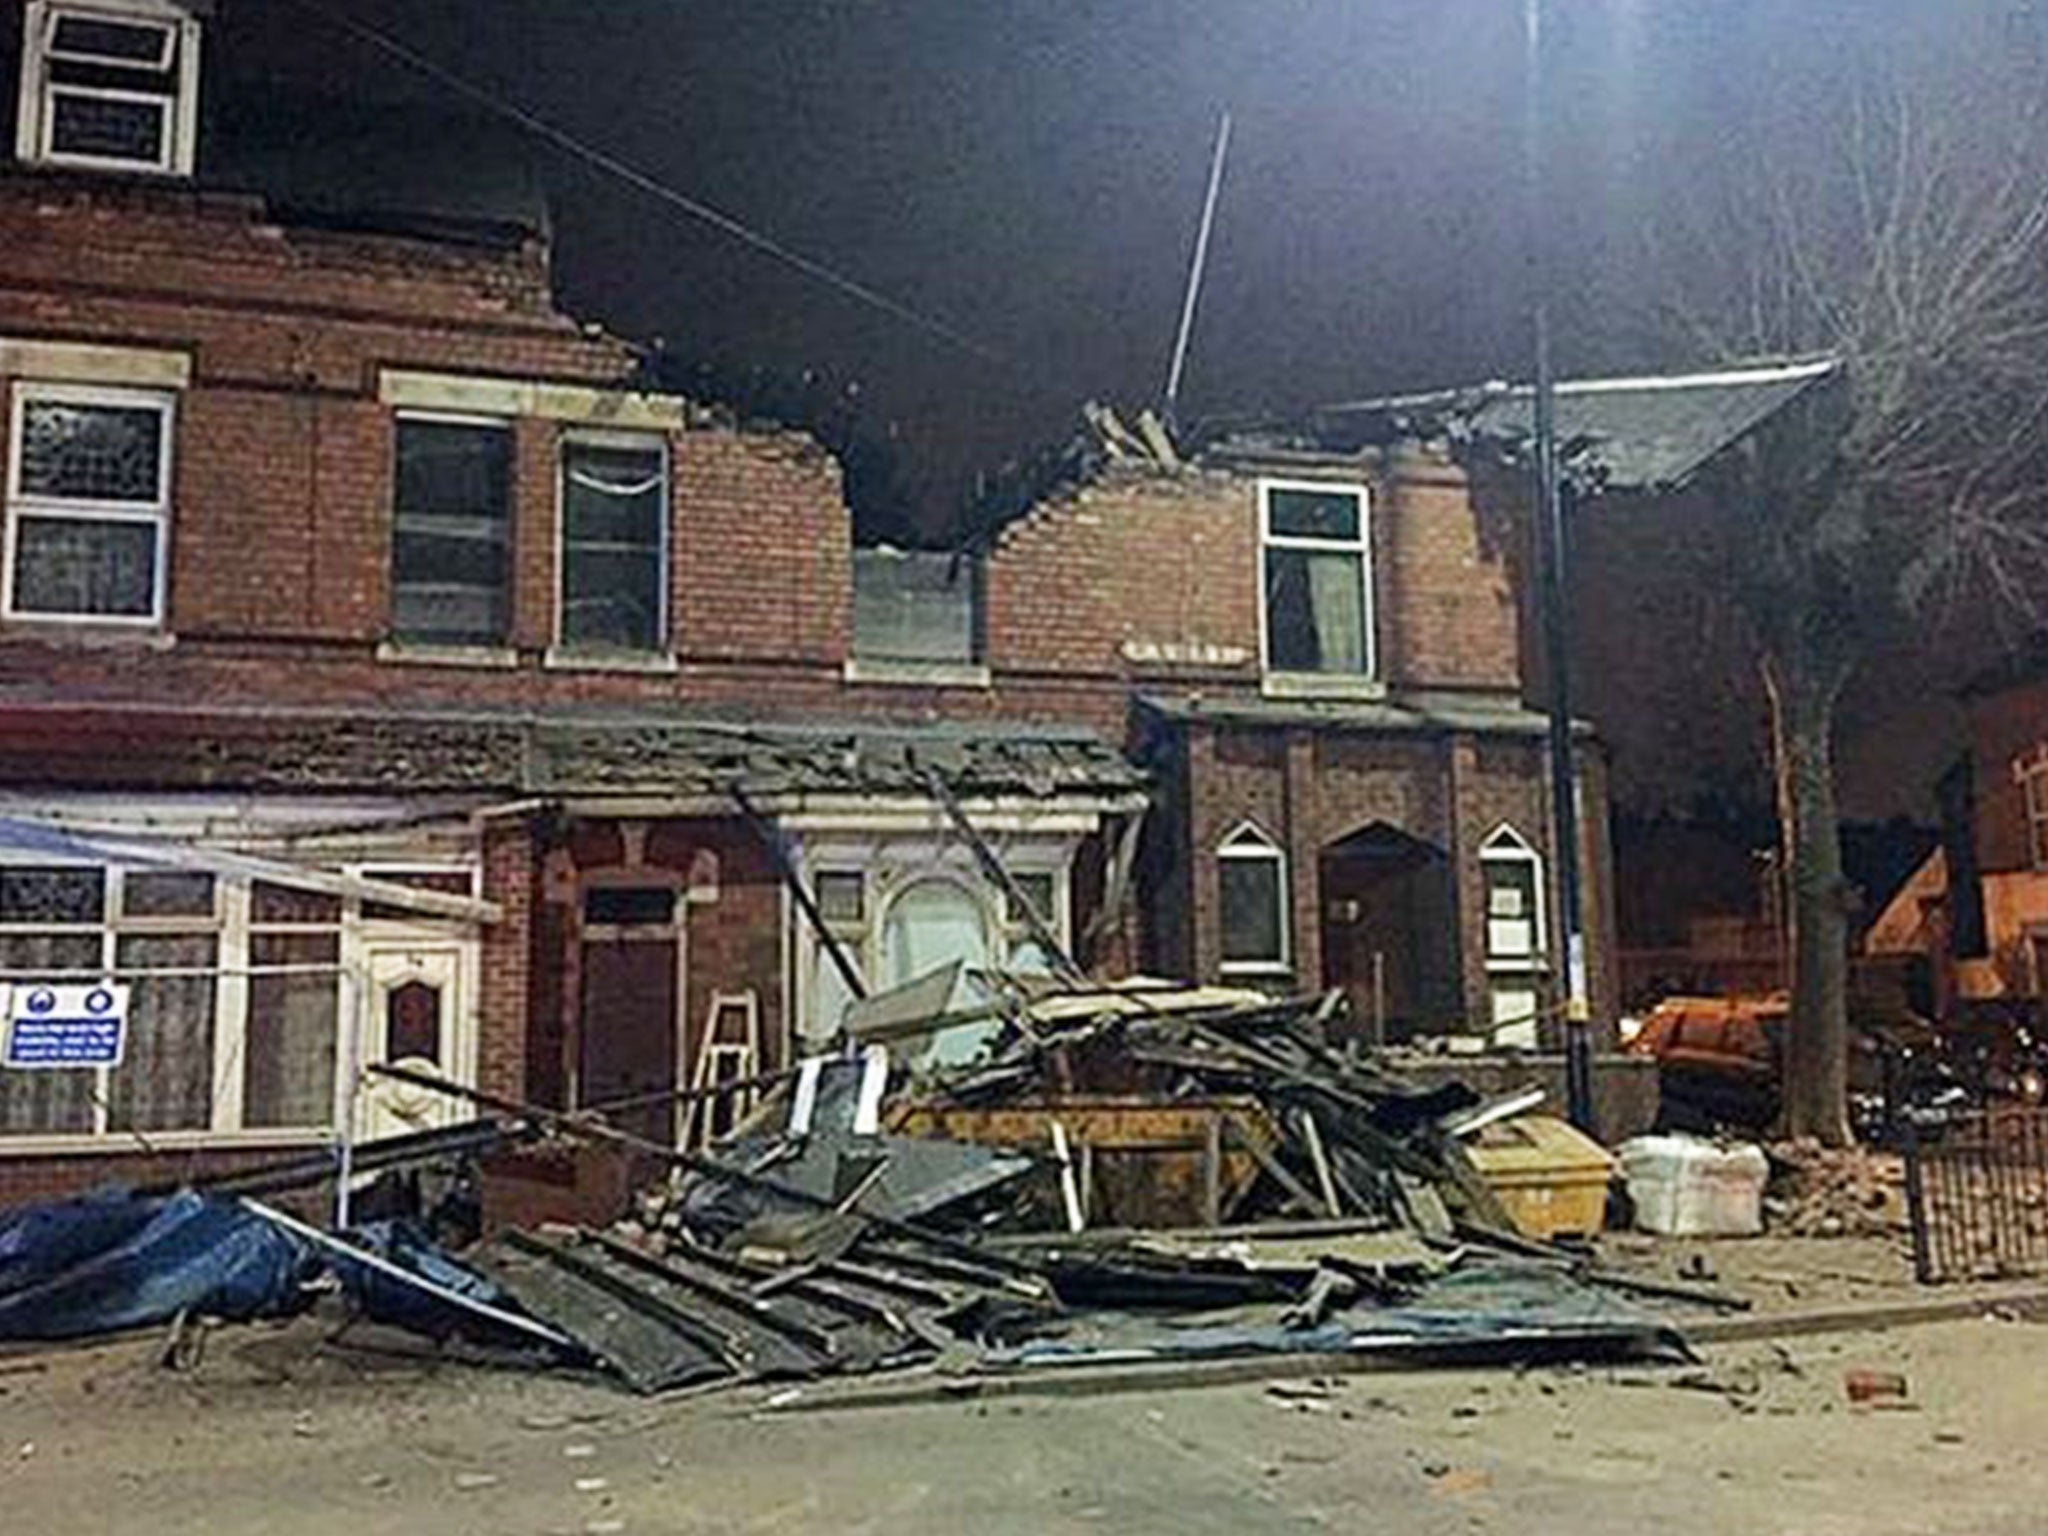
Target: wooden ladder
[729, 1051]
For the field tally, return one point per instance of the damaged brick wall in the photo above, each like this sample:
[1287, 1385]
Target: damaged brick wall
[280, 546]
[1151, 576]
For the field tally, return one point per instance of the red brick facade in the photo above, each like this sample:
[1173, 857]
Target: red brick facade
[1157, 557]
[1130, 605]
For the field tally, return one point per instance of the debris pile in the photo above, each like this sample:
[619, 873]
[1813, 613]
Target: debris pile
[1817, 1191]
[1060, 1176]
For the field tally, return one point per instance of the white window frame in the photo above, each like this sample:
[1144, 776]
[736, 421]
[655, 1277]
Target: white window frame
[890, 865]
[408, 644]
[1504, 845]
[156, 514]
[1248, 841]
[2032, 774]
[233, 924]
[114, 924]
[1368, 680]
[563, 649]
[36, 117]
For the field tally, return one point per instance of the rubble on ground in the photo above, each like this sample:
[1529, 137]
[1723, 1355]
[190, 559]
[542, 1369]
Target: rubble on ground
[1067, 1175]
[1817, 1191]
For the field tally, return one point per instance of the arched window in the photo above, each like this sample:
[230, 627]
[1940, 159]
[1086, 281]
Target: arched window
[1251, 879]
[1512, 875]
[931, 922]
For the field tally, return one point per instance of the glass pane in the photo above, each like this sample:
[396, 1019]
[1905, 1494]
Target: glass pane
[167, 893]
[165, 1080]
[612, 495]
[123, 42]
[288, 904]
[1510, 908]
[53, 1101]
[108, 127]
[288, 1058]
[1030, 959]
[295, 949]
[842, 895]
[1036, 888]
[1315, 612]
[614, 506]
[448, 469]
[58, 1100]
[32, 894]
[412, 1022]
[612, 597]
[65, 565]
[449, 569]
[450, 882]
[92, 452]
[630, 905]
[1312, 514]
[914, 605]
[1251, 896]
[930, 923]
[449, 615]
[59, 956]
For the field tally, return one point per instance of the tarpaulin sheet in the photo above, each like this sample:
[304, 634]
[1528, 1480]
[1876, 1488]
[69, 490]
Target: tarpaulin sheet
[386, 1298]
[108, 1262]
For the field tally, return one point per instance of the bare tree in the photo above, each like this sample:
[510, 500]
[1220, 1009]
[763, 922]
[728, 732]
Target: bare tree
[1898, 222]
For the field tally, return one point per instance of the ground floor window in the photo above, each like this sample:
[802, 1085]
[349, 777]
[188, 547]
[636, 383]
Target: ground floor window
[238, 995]
[1511, 876]
[1251, 880]
[1512, 872]
[902, 908]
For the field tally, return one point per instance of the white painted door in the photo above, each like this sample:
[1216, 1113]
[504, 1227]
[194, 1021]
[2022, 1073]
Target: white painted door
[415, 1014]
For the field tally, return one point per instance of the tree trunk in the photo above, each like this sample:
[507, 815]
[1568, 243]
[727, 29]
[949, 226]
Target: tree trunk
[1803, 693]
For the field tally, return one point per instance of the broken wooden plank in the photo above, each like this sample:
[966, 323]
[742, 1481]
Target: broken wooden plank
[1319, 1160]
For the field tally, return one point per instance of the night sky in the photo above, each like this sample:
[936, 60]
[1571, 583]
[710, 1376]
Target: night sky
[1029, 172]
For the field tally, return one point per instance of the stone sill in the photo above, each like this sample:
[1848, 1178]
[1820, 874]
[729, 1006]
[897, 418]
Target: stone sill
[917, 674]
[90, 634]
[1318, 685]
[493, 657]
[654, 663]
[1255, 970]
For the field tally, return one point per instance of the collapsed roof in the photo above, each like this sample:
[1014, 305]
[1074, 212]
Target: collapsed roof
[1647, 433]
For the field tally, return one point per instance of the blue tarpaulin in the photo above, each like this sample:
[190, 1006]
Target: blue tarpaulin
[114, 1261]
[461, 1301]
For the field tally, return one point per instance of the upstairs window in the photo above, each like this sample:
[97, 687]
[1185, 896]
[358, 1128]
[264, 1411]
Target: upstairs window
[109, 84]
[2033, 777]
[916, 607]
[88, 504]
[1251, 877]
[614, 593]
[1512, 873]
[452, 532]
[1316, 579]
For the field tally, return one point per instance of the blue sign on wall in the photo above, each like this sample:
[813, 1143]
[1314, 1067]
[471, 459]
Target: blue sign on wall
[65, 1026]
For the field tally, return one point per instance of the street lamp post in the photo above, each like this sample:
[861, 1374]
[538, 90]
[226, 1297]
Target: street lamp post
[1551, 536]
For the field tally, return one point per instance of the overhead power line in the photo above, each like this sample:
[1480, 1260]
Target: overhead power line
[612, 165]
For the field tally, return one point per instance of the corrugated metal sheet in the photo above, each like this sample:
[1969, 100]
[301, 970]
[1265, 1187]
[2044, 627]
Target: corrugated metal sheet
[1652, 432]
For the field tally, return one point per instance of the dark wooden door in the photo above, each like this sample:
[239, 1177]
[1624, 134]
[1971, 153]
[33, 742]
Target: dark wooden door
[628, 1029]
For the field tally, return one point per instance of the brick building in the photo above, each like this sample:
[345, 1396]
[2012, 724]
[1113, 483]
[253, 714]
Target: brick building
[379, 660]
[1976, 911]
